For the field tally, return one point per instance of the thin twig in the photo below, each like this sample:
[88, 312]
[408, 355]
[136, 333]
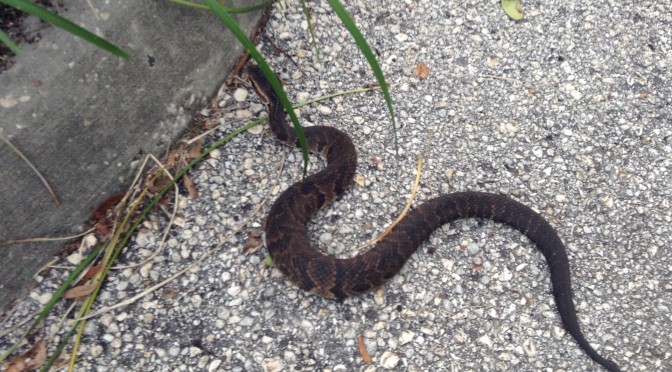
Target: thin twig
[168, 226]
[25, 159]
[190, 266]
[298, 105]
[403, 213]
[93, 10]
[34, 240]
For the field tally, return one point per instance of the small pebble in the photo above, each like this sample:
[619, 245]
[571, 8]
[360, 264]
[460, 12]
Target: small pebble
[240, 94]
[389, 359]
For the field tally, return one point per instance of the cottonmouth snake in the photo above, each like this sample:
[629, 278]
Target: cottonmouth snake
[290, 249]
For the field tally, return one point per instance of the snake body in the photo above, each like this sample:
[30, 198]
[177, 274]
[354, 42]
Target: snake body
[313, 271]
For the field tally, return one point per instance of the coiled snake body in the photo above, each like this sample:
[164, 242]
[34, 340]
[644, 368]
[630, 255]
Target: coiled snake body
[290, 248]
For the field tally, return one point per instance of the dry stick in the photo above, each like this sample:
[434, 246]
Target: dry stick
[112, 250]
[486, 76]
[25, 159]
[48, 264]
[64, 318]
[93, 10]
[168, 226]
[298, 105]
[363, 351]
[409, 203]
[126, 197]
[190, 266]
[8, 315]
[113, 254]
[42, 314]
[114, 247]
[36, 240]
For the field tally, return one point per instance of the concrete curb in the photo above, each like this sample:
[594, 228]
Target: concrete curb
[82, 116]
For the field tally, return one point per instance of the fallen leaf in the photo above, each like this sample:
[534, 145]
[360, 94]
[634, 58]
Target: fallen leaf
[79, 292]
[168, 293]
[513, 9]
[253, 242]
[89, 274]
[31, 359]
[102, 229]
[107, 206]
[421, 70]
[363, 351]
[377, 161]
[251, 245]
[196, 149]
[189, 185]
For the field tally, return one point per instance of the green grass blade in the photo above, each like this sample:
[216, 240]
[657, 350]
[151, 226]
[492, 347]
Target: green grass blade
[63, 23]
[228, 10]
[59, 349]
[55, 297]
[141, 217]
[275, 83]
[4, 38]
[313, 39]
[368, 54]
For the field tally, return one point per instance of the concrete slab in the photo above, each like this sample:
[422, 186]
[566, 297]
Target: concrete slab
[82, 116]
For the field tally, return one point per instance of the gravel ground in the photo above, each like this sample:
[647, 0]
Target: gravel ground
[567, 111]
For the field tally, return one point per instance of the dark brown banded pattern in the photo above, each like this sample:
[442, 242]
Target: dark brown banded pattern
[293, 254]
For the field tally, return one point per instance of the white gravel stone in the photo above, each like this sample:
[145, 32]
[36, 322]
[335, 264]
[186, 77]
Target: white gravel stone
[234, 290]
[406, 337]
[96, 351]
[240, 94]
[529, 348]
[540, 110]
[272, 365]
[473, 249]
[401, 37]
[326, 238]
[214, 365]
[324, 110]
[389, 360]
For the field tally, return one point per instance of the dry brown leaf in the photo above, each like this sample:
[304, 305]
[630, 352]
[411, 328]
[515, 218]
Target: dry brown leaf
[196, 149]
[79, 292]
[189, 185]
[102, 229]
[89, 274]
[104, 214]
[253, 242]
[169, 293]
[363, 351]
[377, 161]
[421, 70]
[31, 359]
